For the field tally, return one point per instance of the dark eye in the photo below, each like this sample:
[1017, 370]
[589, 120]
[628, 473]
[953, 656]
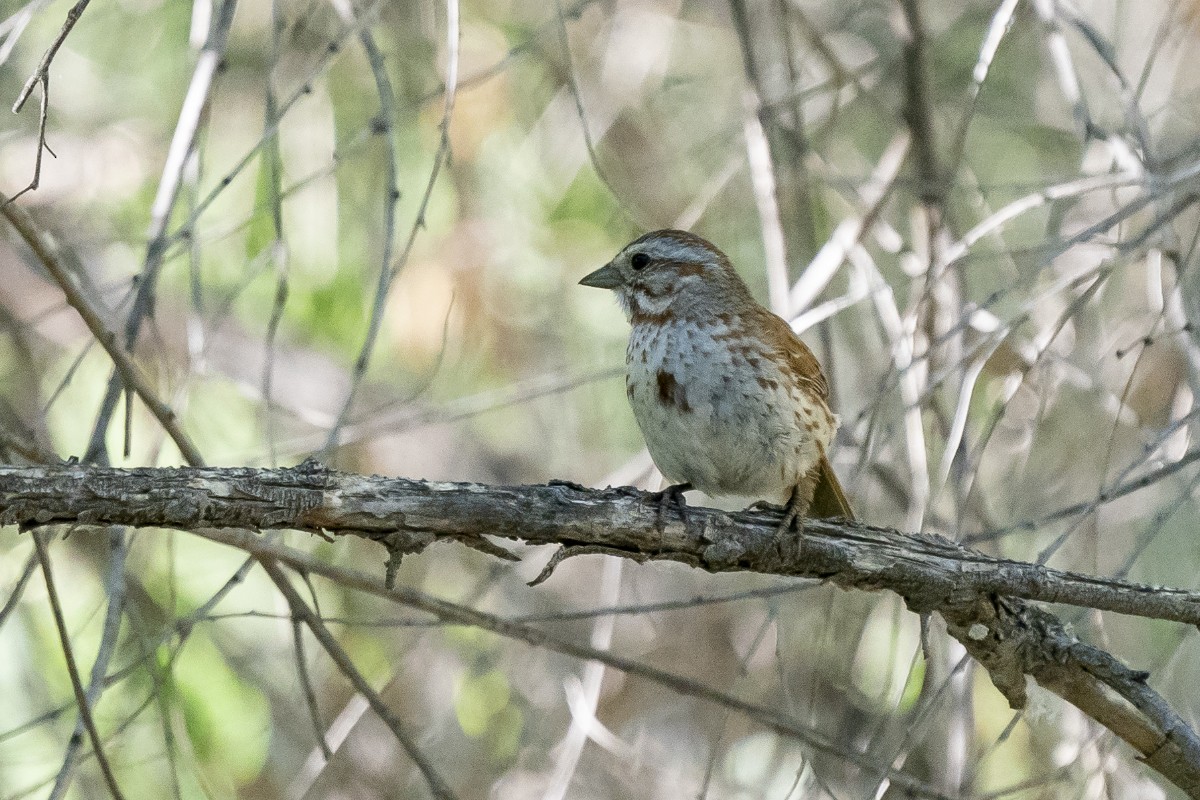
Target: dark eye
[639, 261]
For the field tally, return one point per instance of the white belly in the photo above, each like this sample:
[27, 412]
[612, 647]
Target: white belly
[722, 418]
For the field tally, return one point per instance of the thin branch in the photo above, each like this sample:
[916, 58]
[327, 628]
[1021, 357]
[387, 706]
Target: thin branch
[1064, 65]
[1105, 495]
[301, 610]
[85, 711]
[1001, 23]
[18, 589]
[589, 143]
[115, 590]
[770, 717]
[183, 141]
[128, 373]
[632, 609]
[778, 149]
[41, 76]
[176, 633]
[918, 107]
[850, 232]
[273, 163]
[331, 50]
[42, 147]
[388, 270]
[43, 68]
[766, 199]
[306, 686]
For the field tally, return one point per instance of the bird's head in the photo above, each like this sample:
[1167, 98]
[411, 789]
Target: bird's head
[670, 272]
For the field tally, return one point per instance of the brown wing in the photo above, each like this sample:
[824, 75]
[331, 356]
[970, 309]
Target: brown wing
[829, 500]
[792, 352]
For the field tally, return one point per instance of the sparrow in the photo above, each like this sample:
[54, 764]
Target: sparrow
[729, 400]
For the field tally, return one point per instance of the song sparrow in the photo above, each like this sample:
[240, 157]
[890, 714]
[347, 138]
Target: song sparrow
[728, 398]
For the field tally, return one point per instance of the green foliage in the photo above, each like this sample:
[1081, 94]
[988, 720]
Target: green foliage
[226, 718]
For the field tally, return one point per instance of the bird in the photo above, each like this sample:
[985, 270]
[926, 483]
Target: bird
[728, 398]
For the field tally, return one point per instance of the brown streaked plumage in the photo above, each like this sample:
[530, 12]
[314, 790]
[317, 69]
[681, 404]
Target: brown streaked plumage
[728, 398]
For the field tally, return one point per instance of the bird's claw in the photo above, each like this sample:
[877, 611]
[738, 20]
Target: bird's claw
[792, 523]
[667, 497]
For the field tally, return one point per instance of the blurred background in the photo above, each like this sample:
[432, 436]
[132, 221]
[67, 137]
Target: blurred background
[354, 230]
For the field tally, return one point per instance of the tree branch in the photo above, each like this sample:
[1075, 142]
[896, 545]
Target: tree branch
[982, 598]
[301, 611]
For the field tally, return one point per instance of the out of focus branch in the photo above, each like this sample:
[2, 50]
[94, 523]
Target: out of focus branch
[183, 141]
[41, 76]
[51, 256]
[983, 599]
[918, 107]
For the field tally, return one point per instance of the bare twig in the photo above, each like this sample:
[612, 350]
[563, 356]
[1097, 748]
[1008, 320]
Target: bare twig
[306, 686]
[18, 588]
[43, 68]
[777, 144]
[762, 178]
[589, 143]
[186, 228]
[115, 590]
[850, 232]
[85, 711]
[997, 30]
[918, 107]
[346, 665]
[389, 270]
[273, 162]
[182, 142]
[129, 375]
[41, 76]
[771, 718]
[1105, 495]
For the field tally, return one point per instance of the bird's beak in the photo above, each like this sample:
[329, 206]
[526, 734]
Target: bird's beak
[606, 277]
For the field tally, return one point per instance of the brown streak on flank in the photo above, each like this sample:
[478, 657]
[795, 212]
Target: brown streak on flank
[670, 393]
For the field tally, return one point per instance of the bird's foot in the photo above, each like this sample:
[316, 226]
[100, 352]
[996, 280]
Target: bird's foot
[667, 497]
[789, 534]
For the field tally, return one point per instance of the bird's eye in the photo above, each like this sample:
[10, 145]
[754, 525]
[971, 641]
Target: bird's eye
[639, 261]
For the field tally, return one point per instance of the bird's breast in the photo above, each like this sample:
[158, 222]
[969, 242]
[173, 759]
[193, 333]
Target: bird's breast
[717, 410]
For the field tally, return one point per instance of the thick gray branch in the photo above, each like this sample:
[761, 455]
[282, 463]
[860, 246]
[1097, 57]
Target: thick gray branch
[982, 598]
[930, 572]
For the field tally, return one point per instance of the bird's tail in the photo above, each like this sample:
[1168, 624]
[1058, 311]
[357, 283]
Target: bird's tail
[828, 498]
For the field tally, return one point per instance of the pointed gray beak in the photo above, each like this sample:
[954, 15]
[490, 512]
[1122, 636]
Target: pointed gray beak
[606, 277]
